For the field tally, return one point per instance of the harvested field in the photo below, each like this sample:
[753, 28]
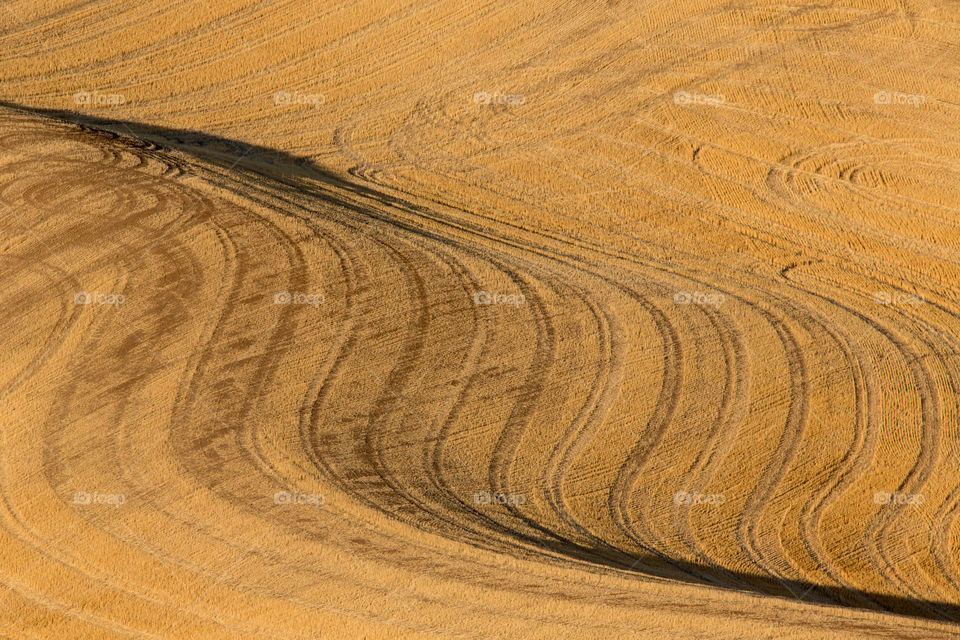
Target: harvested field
[485, 320]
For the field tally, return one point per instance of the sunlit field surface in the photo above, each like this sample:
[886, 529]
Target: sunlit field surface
[513, 320]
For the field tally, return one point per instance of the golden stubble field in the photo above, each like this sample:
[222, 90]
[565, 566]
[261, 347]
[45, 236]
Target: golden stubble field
[479, 320]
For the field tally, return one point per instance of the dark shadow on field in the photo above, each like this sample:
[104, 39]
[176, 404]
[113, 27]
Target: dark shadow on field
[297, 172]
[373, 203]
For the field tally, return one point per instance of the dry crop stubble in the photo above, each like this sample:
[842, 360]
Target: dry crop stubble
[430, 320]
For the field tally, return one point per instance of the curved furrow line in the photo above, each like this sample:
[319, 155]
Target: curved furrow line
[724, 428]
[795, 426]
[499, 466]
[390, 391]
[584, 427]
[948, 568]
[856, 460]
[657, 424]
[920, 471]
